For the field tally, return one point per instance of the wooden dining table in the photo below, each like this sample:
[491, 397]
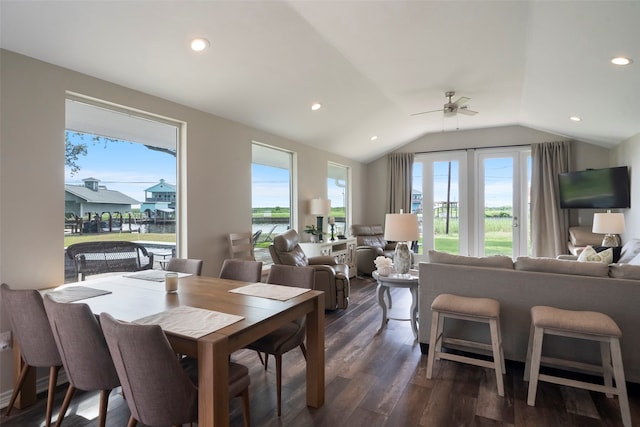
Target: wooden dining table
[131, 299]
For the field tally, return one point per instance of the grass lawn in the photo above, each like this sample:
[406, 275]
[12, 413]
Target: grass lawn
[496, 243]
[498, 236]
[129, 237]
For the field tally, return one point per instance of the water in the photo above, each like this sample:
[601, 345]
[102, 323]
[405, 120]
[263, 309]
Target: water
[273, 229]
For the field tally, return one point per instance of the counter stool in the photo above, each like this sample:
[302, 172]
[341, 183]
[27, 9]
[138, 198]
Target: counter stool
[587, 325]
[475, 310]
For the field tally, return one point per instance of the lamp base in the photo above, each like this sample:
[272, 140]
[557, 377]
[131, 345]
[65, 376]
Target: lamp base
[611, 240]
[402, 258]
[319, 221]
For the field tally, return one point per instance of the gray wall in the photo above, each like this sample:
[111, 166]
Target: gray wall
[628, 154]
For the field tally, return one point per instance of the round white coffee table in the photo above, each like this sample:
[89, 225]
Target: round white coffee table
[407, 281]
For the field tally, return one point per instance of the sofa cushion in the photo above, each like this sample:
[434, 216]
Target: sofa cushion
[624, 271]
[589, 254]
[583, 236]
[561, 266]
[496, 261]
[629, 251]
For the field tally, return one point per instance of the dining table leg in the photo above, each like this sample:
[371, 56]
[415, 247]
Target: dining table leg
[213, 381]
[315, 354]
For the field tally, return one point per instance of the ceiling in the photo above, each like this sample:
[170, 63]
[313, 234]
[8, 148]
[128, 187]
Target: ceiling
[371, 64]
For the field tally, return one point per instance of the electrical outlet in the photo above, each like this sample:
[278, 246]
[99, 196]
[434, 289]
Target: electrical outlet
[5, 340]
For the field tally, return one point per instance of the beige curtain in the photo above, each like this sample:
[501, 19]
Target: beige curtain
[549, 223]
[400, 174]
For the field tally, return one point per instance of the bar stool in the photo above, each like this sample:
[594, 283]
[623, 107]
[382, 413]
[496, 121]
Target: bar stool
[587, 325]
[483, 310]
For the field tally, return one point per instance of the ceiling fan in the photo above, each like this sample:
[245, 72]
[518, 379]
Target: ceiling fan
[451, 108]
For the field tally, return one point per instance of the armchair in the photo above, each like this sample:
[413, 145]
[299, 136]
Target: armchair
[330, 277]
[371, 244]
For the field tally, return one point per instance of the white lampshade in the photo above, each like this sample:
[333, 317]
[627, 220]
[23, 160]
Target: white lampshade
[319, 206]
[608, 223]
[401, 227]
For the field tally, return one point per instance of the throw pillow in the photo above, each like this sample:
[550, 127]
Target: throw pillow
[635, 260]
[590, 255]
[629, 251]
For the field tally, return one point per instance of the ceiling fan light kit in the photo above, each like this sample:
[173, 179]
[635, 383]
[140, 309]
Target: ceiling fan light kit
[451, 108]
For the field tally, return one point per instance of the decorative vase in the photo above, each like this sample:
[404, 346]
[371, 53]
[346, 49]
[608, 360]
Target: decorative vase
[402, 258]
[313, 238]
[385, 270]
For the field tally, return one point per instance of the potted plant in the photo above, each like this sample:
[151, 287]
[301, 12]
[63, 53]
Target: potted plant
[313, 232]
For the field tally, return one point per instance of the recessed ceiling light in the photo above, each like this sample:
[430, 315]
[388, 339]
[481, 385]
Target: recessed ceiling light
[373, 138]
[199, 44]
[316, 106]
[575, 118]
[621, 60]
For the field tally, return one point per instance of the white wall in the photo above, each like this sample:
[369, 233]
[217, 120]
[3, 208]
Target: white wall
[628, 154]
[218, 173]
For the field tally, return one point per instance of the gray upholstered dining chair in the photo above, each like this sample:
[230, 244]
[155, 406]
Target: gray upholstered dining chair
[289, 336]
[170, 398]
[185, 265]
[243, 270]
[84, 352]
[31, 330]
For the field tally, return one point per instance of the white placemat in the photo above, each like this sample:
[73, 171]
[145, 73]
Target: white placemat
[75, 293]
[264, 290]
[152, 275]
[190, 321]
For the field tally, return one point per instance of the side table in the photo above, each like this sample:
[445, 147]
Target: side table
[406, 281]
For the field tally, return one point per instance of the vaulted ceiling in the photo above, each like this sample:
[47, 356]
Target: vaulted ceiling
[371, 64]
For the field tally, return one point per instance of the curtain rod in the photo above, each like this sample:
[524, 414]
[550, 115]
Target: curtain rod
[467, 149]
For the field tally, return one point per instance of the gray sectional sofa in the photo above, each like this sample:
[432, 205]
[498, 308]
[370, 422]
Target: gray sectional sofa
[537, 281]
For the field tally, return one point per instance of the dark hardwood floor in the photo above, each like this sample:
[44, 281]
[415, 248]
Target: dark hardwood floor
[379, 380]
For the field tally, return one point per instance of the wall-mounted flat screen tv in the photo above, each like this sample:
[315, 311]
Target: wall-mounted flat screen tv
[595, 189]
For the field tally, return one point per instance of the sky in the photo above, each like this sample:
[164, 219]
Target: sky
[498, 181]
[127, 167]
[270, 186]
[131, 168]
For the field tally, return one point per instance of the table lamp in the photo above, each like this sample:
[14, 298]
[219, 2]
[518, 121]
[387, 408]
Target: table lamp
[609, 224]
[319, 207]
[401, 228]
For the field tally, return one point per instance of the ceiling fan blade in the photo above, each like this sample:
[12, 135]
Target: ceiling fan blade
[465, 110]
[426, 112]
[462, 101]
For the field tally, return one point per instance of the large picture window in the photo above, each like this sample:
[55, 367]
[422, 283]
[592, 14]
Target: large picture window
[338, 193]
[120, 179]
[271, 196]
